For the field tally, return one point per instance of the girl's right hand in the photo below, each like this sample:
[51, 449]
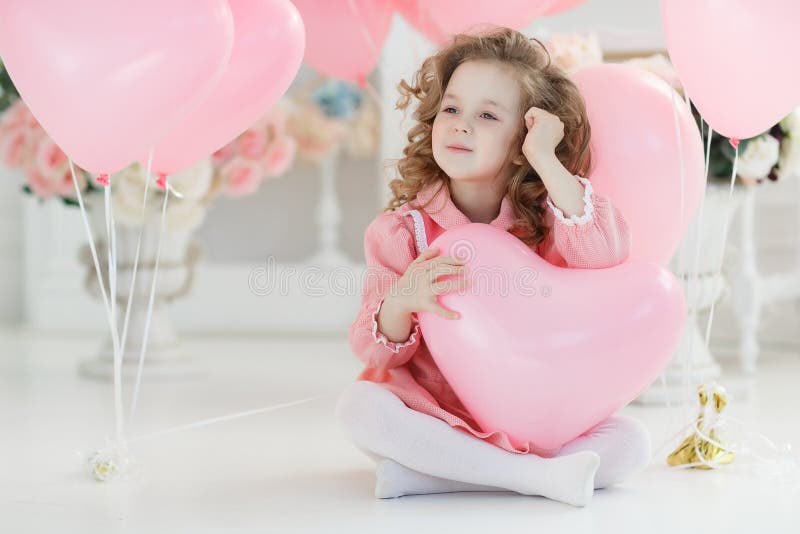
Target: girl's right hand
[418, 288]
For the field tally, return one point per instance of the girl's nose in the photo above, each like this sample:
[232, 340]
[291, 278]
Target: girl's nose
[462, 128]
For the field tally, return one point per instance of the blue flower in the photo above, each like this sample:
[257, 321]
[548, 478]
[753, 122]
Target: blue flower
[338, 99]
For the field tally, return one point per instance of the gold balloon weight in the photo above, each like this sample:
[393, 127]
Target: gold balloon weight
[702, 449]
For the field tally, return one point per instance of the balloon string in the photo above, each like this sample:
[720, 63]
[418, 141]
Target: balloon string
[88, 228]
[223, 418]
[686, 363]
[106, 306]
[662, 376]
[728, 211]
[692, 288]
[680, 151]
[136, 257]
[149, 315]
[112, 282]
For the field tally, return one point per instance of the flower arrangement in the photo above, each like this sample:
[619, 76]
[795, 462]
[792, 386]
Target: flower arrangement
[265, 150]
[25, 145]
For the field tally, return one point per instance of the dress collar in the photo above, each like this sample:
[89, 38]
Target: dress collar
[445, 213]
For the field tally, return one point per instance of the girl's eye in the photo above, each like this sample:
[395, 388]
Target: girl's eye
[486, 113]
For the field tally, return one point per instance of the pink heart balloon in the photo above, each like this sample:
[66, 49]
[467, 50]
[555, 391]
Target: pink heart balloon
[736, 59]
[267, 52]
[635, 154]
[107, 79]
[544, 353]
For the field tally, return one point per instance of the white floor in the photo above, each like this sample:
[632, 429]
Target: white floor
[293, 470]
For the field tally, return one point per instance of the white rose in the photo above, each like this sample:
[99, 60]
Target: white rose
[759, 157]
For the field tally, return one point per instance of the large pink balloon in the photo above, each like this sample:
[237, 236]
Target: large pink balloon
[543, 352]
[438, 20]
[736, 59]
[107, 79]
[635, 155]
[344, 37]
[267, 52]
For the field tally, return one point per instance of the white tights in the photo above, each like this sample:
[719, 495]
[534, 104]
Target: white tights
[416, 453]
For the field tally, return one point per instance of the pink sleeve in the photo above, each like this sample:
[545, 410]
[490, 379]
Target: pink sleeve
[388, 249]
[597, 238]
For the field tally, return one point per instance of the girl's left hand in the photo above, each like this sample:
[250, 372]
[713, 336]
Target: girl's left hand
[545, 132]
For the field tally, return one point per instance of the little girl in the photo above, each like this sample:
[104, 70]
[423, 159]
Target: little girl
[501, 138]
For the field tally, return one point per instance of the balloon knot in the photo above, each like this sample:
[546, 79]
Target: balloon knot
[103, 179]
[362, 81]
[162, 181]
[734, 142]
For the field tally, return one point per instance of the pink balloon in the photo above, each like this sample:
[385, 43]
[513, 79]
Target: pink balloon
[345, 37]
[544, 352]
[559, 6]
[440, 19]
[635, 155]
[736, 60]
[267, 52]
[107, 79]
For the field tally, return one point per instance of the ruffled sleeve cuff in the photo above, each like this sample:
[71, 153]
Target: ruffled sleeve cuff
[391, 345]
[588, 207]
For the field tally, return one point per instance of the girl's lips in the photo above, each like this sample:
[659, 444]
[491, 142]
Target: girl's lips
[457, 149]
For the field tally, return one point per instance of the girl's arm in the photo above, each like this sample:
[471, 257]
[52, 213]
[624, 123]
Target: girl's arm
[587, 230]
[389, 249]
[596, 237]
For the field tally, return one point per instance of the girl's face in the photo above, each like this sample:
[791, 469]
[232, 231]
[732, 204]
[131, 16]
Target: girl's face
[479, 113]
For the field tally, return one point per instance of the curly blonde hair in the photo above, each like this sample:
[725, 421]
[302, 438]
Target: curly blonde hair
[542, 84]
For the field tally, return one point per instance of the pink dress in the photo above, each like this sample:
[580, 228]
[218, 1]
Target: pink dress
[598, 238]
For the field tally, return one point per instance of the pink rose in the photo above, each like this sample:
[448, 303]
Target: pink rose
[241, 176]
[253, 144]
[280, 156]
